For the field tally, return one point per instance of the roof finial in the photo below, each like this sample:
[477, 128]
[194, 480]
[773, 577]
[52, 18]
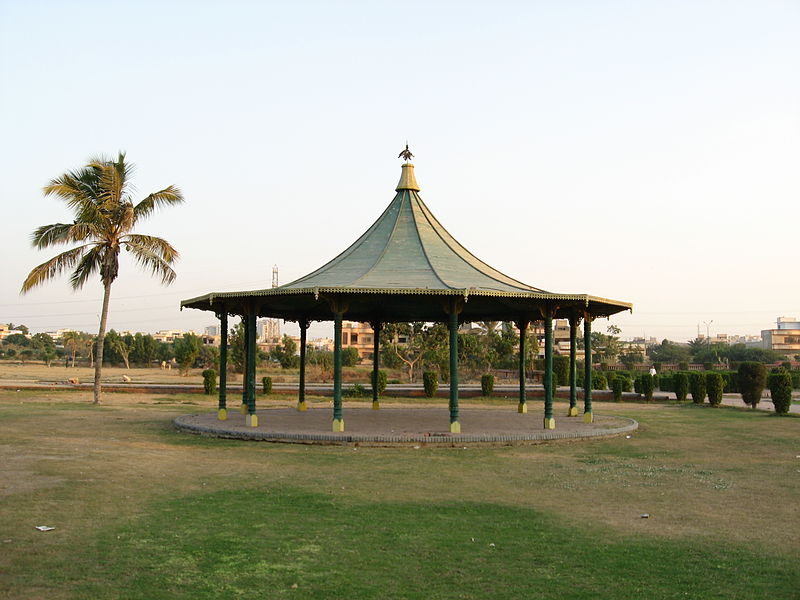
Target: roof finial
[406, 154]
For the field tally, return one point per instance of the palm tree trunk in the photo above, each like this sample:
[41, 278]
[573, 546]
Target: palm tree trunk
[98, 365]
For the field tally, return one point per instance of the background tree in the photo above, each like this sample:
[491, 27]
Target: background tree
[187, 350]
[286, 353]
[104, 219]
[73, 341]
[18, 327]
[17, 339]
[669, 352]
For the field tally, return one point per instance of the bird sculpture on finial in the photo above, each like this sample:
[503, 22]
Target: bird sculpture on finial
[406, 154]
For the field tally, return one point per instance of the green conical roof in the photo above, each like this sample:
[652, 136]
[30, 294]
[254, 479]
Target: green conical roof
[407, 248]
[405, 267]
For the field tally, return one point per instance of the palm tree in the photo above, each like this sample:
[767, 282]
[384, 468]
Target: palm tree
[105, 215]
[72, 340]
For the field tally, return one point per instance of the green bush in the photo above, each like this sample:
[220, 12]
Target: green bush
[683, 366]
[382, 380]
[707, 366]
[487, 384]
[658, 366]
[656, 381]
[697, 386]
[560, 370]
[350, 357]
[616, 386]
[780, 388]
[356, 391]
[209, 381]
[430, 381]
[599, 381]
[647, 386]
[715, 384]
[266, 385]
[680, 382]
[787, 365]
[666, 382]
[752, 378]
[637, 384]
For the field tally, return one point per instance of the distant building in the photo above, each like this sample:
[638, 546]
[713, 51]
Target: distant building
[785, 338]
[212, 330]
[269, 330]
[359, 336]
[5, 331]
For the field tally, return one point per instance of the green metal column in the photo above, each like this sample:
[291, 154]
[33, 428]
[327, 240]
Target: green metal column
[376, 361]
[250, 325]
[338, 421]
[573, 366]
[301, 399]
[222, 413]
[455, 425]
[549, 421]
[523, 334]
[587, 369]
[246, 345]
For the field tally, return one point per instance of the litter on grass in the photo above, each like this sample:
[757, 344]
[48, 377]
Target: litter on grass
[44, 528]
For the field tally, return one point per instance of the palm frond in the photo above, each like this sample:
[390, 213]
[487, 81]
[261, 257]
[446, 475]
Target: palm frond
[89, 264]
[51, 235]
[150, 260]
[53, 267]
[156, 245]
[77, 188]
[166, 197]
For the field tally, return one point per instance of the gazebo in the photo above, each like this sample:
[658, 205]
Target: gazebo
[407, 267]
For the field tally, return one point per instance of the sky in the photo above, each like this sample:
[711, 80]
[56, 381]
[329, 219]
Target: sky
[644, 151]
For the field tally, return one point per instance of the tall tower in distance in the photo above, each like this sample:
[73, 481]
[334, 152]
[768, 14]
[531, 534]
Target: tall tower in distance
[271, 328]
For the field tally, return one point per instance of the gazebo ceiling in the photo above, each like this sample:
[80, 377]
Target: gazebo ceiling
[405, 267]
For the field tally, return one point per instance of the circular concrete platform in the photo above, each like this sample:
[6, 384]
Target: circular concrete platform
[403, 426]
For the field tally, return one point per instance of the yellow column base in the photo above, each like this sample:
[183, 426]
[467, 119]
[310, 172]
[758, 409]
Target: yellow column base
[573, 411]
[588, 418]
[455, 427]
[222, 414]
[302, 406]
[338, 425]
[376, 405]
[252, 420]
[522, 408]
[549, 423]
[243, 409]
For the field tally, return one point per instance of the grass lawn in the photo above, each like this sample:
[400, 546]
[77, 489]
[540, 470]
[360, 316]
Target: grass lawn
[141, 511]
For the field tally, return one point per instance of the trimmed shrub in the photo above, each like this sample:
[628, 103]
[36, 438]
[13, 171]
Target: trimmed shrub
[681, 385]
[599, 381]
[647, 386]
[656, 381]
[796, 380]
[752, 378]
[787, 365]
[683, 366]
[560, 370]
[637, 385]
[616, 386]
[697, 386]
[666, 382]
[356, 391]
[714, 385]
[707, 366]
[658, 366]
[382, 380]
[209, 381]
[487, 384]
[780, 388]
[430, 381]
[266, 385]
